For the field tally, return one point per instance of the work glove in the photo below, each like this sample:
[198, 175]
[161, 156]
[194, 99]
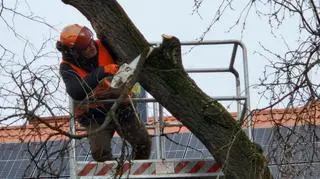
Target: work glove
[111, 69]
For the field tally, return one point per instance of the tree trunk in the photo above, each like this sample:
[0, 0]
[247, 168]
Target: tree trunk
[164, 78]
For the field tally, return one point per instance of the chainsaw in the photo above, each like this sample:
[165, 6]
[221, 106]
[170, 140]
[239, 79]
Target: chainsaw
[126, 71]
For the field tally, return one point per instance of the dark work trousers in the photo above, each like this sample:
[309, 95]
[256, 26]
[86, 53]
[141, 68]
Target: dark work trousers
[134, 132]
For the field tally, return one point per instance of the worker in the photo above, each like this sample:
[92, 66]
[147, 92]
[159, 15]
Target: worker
[86, 69]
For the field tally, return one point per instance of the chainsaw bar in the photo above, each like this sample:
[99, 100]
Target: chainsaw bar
[126, 71]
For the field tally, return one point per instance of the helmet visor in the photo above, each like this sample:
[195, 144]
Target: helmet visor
[84, 39]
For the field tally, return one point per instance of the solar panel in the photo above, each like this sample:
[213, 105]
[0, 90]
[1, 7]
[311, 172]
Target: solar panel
[297, 171]
[15, 160]
[40, 168]
[317, 134]
[6, 168]
[58, 148]
[258, 135]
[266, 137]
[175, 145]
[56, 158]
[23, 154]
[300, 149]
[54, 149]
[173, 149]
[2, 164]
[274, 171]
[116, 146]
[291, 150]
[317, 151]
[82, 149]
[170, 141]
[9, 151]
[18, 169]
[57, 167]
[195, 143]
[203, 154]
[185, 145]
[33, 150]
[262, 136]
[314, 171]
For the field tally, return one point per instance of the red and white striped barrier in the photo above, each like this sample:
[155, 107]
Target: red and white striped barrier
[151, 168]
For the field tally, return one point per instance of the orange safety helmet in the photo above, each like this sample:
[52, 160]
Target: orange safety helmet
[76, 36]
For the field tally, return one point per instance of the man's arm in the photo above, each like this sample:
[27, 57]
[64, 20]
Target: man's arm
[79, 88]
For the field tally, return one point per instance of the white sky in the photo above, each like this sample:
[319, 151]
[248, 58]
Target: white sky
[154, 18]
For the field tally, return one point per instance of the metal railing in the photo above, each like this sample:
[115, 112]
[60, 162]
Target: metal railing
[242, 110]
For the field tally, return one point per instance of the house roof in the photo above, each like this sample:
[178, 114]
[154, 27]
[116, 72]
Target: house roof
[38, 131]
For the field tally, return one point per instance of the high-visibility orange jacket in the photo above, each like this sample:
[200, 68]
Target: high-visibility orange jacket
[86, 78]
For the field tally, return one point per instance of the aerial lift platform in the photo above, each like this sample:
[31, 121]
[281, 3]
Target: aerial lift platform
[162, 167]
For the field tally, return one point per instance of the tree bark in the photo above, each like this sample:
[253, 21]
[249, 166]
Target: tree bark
[164, 78]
